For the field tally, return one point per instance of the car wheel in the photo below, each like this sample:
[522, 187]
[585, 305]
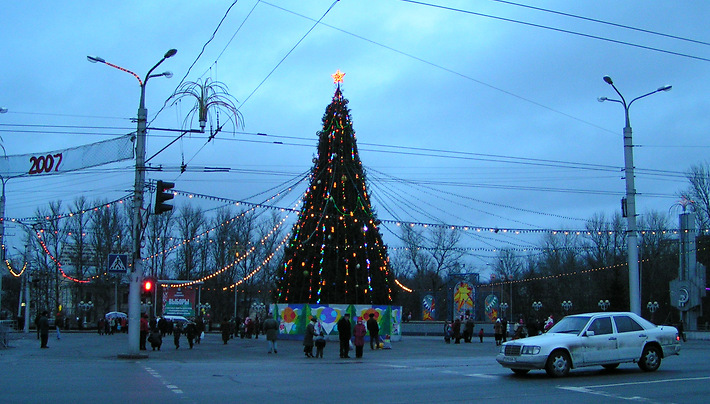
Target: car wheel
[650, 359]
[520, 371]
[558, 364]
[610, 366]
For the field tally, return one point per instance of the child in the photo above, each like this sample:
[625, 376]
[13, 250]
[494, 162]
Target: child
[320, 344]
[480, 335]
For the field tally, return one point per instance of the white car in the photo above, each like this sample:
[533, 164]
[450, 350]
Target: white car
[605, 339]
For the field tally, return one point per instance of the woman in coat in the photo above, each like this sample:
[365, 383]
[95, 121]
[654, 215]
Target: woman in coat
[308, 338]
[359, 332]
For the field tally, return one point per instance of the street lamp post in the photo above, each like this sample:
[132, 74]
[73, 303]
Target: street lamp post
[84, 307]
[652, 307]
[503, 308]
[604, 304]
[566, 306]
[631, 237]
[202, 308]
[136, 271]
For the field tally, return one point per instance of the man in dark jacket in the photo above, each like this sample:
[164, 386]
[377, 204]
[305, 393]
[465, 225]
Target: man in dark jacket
[374, 329]
[344, 332]
[43, 326]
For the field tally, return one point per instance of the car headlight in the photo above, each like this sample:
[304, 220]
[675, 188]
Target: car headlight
[501, 349]
[530, 350]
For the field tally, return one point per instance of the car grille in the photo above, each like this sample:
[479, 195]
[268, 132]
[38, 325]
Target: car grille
[512, 350]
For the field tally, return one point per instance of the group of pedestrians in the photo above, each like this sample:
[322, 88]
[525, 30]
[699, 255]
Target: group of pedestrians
[349, 337]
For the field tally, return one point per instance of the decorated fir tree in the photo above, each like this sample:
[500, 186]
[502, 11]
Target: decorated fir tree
[336, 254]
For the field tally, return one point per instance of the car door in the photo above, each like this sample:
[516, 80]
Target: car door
[601, 347]
[631, 337]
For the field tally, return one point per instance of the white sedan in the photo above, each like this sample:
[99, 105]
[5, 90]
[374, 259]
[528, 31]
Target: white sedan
[605, 339]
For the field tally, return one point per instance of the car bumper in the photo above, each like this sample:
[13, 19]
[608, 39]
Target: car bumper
[522, 361]
[672, 349]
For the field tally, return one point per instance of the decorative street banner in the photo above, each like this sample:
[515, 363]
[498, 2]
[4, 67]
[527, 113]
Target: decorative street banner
[463, 299]
[179, 302]
[428, 308]
[293, 318]
[492, 307]
[72, 159]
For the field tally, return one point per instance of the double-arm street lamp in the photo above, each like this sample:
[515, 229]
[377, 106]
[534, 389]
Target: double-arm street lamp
[136, 272]
[630, 205]
[566, 306]
[604, 304]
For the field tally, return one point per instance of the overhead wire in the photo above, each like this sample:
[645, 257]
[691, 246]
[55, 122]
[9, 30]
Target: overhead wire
[601, 38]
[646, 31]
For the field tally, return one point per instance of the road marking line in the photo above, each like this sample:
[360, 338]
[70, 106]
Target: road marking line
[684, 379]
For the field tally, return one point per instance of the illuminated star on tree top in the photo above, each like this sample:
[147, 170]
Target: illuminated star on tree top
[338, 76]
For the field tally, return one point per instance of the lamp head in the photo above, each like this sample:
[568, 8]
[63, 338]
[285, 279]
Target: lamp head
[95, 59]
[665, 88]
[602, 99]
[170, 53]
[3, 110]
[608, 80]
[167, 74]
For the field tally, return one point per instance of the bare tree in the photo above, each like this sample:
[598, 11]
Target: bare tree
[158, 243]
[188, 224]
[698, 192]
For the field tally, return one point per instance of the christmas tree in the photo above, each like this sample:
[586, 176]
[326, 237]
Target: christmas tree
[336, 254]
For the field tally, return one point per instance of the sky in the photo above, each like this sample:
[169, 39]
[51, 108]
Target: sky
[471, 113]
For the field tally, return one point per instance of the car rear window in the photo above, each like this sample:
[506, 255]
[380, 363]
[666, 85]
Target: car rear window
[626, 324]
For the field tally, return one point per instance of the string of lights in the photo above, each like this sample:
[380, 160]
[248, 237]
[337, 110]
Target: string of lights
[59, 264]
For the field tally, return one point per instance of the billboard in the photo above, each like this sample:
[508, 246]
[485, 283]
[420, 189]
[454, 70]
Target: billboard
[179, 301]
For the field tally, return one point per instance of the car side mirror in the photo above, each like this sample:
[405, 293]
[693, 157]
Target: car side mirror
[589, 333]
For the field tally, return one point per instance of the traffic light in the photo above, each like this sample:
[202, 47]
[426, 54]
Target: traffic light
[162, 195]
[150, 284]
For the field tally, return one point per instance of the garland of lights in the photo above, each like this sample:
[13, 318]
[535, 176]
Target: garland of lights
[238, 260]
[206, 232]
[12, 271]
[59, 264]
[263, 263]
[67, 215]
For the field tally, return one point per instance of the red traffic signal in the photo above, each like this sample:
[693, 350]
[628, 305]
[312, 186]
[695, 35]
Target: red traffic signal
[149, 285]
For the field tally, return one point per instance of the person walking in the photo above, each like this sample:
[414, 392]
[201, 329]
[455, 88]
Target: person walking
[43, 329]
[308, 338]
[359, 333]
[271, 330]
[498, 331]
[480, 335]
[320, 341]
[200, 325]
[191, 333]
[225, 326]
[456, 327]
[177, 330]
[344, 333]
[144, 328]
[374, 329]
[468, 332]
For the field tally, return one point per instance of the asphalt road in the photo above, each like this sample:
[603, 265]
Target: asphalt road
[83, 368]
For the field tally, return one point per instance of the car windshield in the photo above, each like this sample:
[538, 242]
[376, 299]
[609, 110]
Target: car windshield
[570, 325]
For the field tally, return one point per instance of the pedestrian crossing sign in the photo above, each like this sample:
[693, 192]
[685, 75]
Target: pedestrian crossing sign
[118, 263]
